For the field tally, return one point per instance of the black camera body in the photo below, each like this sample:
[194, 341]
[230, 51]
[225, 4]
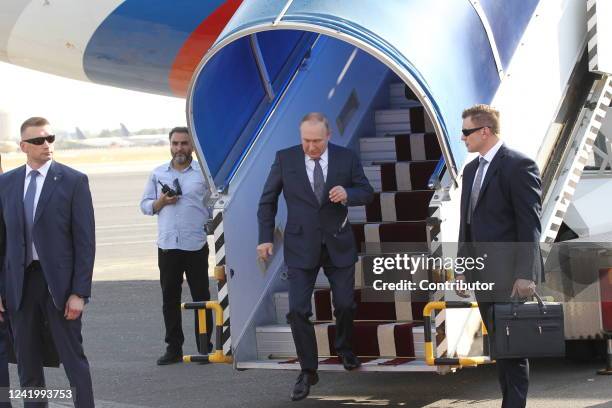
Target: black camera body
[169, 191]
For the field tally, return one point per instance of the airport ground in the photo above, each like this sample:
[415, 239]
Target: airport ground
[123, 331]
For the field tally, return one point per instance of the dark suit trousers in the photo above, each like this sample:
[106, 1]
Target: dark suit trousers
[194, 264]
[4, 372]
[513, 373]
[301, 287]
[27, 324]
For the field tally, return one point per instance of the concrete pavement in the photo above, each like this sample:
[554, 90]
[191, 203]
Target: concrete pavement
[123, 335]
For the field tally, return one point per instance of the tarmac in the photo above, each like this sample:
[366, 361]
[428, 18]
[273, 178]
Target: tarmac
[123, 337]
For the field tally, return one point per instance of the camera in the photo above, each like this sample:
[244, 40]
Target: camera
[169, 191]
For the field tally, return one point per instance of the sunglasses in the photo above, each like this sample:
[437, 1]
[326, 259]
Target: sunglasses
[467, 132]
[40, 140]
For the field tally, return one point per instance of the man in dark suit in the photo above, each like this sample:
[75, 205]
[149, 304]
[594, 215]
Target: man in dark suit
[319, 181]
[500, 204]
[4, 345]
[46, 214]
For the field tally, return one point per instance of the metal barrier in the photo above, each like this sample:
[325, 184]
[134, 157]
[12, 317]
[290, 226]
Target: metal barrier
[429, 351]
[217, 356]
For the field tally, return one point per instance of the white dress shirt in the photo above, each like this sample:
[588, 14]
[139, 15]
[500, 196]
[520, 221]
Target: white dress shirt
[489, 156]
[310, 165]
[40, 180]
[181, 225]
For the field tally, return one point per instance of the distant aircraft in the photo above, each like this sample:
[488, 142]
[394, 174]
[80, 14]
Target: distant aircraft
[127, 139]
[124, 131]
[144, 140]
[81, 142]
[8, 146]
[79, 134]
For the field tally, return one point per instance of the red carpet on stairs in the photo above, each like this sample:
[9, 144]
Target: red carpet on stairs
[365, 339]
[419, 173]
[403, 231]
[365, 310]
[404, 147]
[409, 206]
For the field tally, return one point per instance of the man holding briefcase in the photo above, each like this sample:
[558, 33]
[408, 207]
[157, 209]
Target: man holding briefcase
[500, 203]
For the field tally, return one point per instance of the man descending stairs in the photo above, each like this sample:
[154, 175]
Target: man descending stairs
[398, 162]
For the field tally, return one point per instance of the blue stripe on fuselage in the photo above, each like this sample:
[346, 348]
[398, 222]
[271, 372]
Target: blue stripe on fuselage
[136, 45]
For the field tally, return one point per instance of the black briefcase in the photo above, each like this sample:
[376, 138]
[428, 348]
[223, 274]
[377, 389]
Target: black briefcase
[527, 330]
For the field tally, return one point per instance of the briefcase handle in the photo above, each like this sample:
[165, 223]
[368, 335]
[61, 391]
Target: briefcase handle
[541, 305]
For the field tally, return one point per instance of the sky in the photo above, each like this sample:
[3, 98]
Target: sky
[68, 103]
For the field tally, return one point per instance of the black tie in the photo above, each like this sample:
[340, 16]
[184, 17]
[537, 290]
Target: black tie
[319, 181]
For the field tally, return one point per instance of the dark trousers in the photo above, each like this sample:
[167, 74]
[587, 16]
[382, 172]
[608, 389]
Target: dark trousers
[27, 325]
[513, 373]
[301, 287]
[4, 372]
[194, 264]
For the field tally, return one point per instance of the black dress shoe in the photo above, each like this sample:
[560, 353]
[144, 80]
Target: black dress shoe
[170, 357]
[302, 385]
[350, 361]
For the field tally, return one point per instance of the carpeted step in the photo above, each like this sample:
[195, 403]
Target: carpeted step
[412, 119]
[368, 308]
[399, 206]
[370, 339]
[321, 305]
[374, 175]
[401, 231]
[400, 176]
[407, 175]
[391, 207]
[400, 147]
[398, 98]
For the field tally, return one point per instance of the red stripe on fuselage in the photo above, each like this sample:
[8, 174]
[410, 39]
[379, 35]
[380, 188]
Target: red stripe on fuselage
[196, 46]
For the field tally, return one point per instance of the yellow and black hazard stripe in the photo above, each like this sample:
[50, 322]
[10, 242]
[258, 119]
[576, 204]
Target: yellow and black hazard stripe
[430, 359]
[217, 356]
[216, 243]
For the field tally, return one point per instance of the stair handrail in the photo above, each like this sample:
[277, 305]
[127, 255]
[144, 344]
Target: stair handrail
[275, 103]
[435, 180]
[217, 356]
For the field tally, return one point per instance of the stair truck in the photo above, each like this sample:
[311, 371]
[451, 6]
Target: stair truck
[393, 77]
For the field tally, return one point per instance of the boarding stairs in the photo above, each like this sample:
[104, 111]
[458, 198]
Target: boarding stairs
[388, 336]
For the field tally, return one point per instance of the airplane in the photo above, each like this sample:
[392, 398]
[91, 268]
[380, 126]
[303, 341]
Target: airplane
[250, 69]
[80, 141]
[79, 134]
[8, 146]
[144, 140]
[126, 139]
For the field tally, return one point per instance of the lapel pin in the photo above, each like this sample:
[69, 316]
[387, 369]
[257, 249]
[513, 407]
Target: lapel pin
[55, 178]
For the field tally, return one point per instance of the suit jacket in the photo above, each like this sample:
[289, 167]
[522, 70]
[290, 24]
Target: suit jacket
[508, 210]
[309, 223]
[63, 232]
